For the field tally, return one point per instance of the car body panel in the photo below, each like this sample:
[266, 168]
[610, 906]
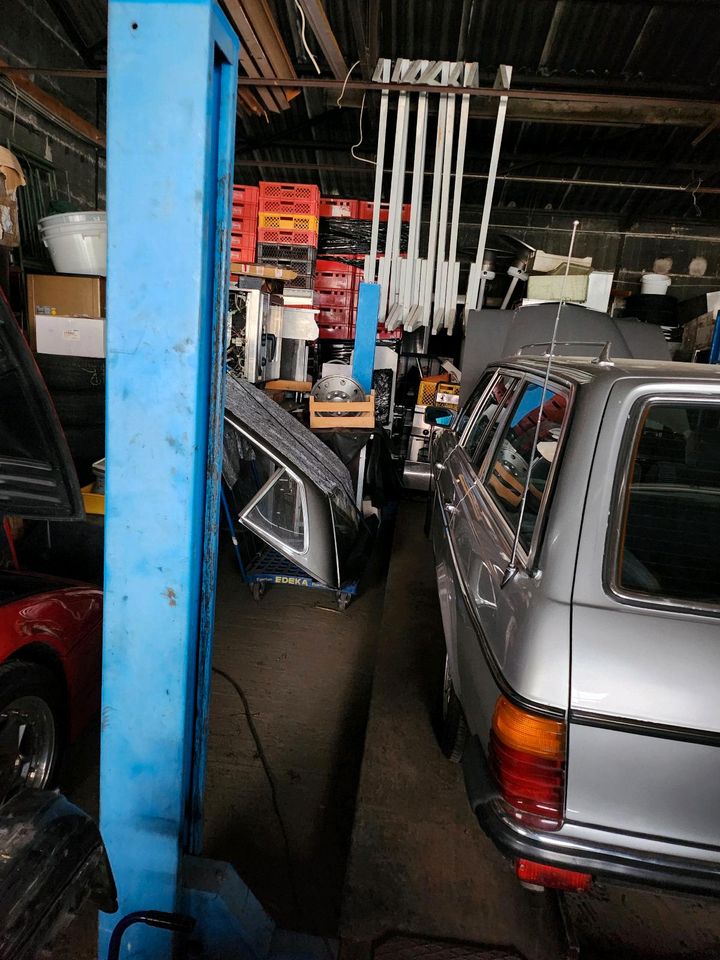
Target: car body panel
[636, 679]
[64, 619]
[304, 503]
[644, 680]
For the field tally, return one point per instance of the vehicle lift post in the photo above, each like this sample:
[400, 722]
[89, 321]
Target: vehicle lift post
[172, 87]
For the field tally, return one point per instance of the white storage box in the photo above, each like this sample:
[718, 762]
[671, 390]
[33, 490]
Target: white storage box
[70, 336]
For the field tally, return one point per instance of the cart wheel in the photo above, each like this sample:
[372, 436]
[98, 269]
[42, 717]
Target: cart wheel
[257, 590]
[343, 600]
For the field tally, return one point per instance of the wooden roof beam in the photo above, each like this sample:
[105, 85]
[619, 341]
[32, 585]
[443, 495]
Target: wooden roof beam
[53, 107]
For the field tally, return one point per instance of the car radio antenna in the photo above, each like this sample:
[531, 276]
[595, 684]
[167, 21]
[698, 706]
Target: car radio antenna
[512, 566]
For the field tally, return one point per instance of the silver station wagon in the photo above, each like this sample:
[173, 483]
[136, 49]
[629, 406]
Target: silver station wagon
[582, 682]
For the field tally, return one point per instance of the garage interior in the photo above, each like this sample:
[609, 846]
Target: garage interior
[262, 252]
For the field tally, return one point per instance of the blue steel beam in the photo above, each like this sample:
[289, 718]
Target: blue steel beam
[172, 69]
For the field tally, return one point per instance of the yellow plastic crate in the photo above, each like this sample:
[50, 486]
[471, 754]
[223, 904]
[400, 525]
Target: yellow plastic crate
[94, 502]
[426, 393]
[284, 221]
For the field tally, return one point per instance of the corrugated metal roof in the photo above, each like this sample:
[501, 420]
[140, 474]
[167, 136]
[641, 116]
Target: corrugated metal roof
[664, 48]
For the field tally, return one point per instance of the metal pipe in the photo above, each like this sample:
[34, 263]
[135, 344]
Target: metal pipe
[552, 181]
[323, 83]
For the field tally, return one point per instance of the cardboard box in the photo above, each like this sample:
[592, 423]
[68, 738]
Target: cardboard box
[64, 295]
[70, 336]
[550, 287]
[698, 334]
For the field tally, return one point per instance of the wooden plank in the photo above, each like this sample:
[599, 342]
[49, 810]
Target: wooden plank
[363, 413]
[263, 52]
[57, 110]
[286, 386]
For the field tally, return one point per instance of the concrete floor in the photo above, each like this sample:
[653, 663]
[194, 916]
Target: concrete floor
[418, 863]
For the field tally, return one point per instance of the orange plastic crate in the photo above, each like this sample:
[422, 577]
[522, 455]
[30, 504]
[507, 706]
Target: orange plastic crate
[334, 207]
[293, 238]
[243, 194]
[365, 211]
[248, 226]
[340, 331]
[243, 250]
[332, 298]
[245, 210]
[305, 196]
[330, 280]
[284, 221]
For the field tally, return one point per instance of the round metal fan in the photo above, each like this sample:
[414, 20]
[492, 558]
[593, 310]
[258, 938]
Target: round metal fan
[340, 389]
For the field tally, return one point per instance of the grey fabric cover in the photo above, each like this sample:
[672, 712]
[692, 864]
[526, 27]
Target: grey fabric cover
[491, 335]
[265, 419]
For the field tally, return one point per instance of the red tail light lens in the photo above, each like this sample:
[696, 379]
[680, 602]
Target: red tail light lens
[527, 757]
[553, 877]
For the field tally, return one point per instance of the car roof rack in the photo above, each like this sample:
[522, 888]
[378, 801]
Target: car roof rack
[602, 359]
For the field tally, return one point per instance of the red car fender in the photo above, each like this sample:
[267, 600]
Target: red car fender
[64, 625]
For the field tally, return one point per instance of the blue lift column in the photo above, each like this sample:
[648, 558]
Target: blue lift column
[172, 86]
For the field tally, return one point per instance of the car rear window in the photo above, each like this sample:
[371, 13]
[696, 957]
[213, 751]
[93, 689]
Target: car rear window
[669, 544]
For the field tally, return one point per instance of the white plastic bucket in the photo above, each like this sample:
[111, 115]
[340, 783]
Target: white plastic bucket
[656, 283]
[77, 241]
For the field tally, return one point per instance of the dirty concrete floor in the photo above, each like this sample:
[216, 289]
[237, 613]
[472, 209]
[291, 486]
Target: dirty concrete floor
[418, 861]
[306, 670]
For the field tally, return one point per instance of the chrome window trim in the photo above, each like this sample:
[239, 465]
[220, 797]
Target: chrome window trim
[616, 516]
[473, 413]
[479, 407]
[269, 483]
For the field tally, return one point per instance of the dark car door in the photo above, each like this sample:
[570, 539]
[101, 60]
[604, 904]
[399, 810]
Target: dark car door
[37, 476]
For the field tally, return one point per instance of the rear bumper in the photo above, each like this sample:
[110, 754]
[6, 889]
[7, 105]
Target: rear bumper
[618, 862]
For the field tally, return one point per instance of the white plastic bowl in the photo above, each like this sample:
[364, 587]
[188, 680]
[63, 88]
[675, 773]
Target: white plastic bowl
[77, 242]
[656, 283]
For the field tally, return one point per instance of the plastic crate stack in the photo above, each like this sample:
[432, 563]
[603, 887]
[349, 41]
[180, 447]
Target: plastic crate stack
[288, 222]
[337, 285]
[243, 234]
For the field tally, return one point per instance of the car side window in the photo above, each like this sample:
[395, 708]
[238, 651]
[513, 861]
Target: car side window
[514, 456]
[489, 416]
[468, 409]
[670, 524]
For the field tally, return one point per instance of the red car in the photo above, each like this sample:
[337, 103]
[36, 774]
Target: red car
[50, 629]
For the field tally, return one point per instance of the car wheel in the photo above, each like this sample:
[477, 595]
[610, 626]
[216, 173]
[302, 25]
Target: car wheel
[31, 727]
[452, 726]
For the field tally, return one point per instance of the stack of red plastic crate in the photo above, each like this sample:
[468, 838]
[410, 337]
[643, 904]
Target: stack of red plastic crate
[288, 223]
[337, 284]
[243, 236]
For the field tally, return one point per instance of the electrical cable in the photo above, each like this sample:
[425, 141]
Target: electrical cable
[352, 148]
[262, 756]
[347, 77]
[302, 36]
[270, 777]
